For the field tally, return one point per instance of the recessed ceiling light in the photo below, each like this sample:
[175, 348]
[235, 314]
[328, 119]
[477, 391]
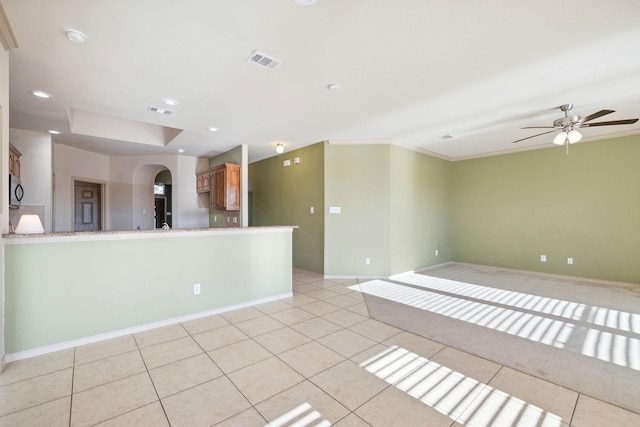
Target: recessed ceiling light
[75, 35]
[180, 150]
[212, 129]
[40, 94]
[54, 132]
[171, 101]
[305, 2]
[333, 86]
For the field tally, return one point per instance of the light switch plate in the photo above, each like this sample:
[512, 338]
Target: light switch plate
[334, 209]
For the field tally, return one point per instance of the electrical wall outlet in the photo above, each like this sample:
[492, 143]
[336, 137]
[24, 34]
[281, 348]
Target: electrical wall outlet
[311, 209]
[570, 261]
[196, 289]
[436, 252]
[543, 258]
[367, 261]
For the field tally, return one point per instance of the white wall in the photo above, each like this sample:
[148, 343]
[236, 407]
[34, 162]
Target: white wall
[4, 140]
[70, 164]
[143, 197]
[128, 184]
[191, 211]
[35, 169]
[131, 199]
[4, 181]
[132, 190]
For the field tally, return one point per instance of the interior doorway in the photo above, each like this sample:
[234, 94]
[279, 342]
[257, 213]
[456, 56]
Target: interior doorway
[163, 199]
[87, 206]
[160, 211]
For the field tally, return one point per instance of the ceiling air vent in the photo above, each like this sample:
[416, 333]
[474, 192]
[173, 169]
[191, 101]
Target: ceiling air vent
[264, 60]
[159, 110]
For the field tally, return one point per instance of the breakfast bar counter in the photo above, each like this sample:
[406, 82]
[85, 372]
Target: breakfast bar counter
[66, 289]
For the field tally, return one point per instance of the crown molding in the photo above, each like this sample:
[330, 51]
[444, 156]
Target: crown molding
[388, 142]
[7, 38]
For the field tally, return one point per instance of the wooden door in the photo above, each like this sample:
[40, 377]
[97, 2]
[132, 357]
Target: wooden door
[87, 206]
[220, 188]
[232, 197]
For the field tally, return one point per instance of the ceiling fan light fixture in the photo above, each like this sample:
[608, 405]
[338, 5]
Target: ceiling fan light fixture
[560, 138]
[574, 136]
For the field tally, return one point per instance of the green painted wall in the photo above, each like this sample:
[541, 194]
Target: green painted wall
[508, 210]
[231, 156]
[357, 179]
[284, 196]
[81, 289]
[420, 210]
[395, 209]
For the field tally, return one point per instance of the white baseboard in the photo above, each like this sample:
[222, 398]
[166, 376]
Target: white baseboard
[135, 329]
[613, 283]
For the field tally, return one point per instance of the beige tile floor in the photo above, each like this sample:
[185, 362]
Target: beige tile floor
[315, 359]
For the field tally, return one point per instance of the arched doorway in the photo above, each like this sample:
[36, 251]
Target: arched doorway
[144, 183]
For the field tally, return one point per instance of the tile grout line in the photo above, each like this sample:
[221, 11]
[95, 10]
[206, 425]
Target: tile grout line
[151, 380]
[73, 375]
[573, 413]
[224, 374]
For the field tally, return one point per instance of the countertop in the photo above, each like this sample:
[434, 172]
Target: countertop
[139, 234]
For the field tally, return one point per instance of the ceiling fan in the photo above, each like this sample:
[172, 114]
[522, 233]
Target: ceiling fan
[568, 125]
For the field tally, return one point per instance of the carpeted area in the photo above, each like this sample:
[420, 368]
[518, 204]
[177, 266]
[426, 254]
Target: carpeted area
[581, 334]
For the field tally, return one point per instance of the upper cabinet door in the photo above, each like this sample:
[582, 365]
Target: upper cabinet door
[225, 187]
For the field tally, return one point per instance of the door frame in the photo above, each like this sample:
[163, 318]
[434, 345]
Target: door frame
[104, 222]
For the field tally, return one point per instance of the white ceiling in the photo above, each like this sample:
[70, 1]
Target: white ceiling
[410, 71]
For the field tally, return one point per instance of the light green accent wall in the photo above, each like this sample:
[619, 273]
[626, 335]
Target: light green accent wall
[357, 179]
[231, 156]
[508, 210]
[81, 289]
[420, 215]
[284, 196]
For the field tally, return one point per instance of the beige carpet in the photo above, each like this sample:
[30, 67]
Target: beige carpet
[581, 334]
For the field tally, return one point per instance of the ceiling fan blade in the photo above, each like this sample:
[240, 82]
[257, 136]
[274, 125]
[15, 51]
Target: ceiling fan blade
[595, 115]
[615, 122]
[533, 136]
[539, 127]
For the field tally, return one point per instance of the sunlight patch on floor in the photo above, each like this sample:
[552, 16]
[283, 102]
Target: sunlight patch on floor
[608, 344]
[461, 398]
[302, 415]
[568, 309]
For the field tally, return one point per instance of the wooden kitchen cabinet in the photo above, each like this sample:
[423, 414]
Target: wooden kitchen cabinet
[14, 161]
[203, 181]
[225, 187]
